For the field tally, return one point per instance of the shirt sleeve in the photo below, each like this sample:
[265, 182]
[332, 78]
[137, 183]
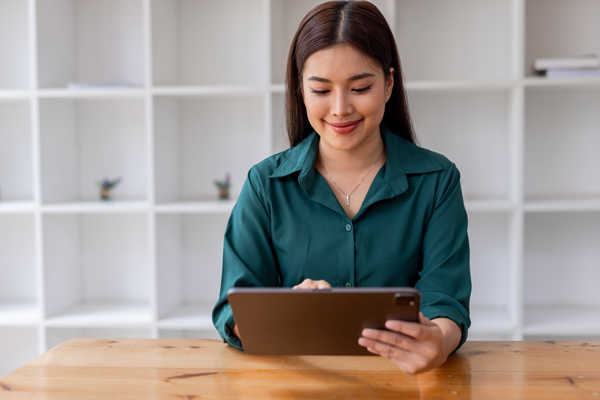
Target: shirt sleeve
[248, 256]
[445, 279]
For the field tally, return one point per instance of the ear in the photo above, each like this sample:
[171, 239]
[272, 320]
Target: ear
[389, 82]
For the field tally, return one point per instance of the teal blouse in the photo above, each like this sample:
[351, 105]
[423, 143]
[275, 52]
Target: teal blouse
[411, 230]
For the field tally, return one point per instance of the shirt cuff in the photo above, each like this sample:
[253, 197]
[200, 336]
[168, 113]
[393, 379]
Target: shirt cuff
[227, 330]
[453, 315]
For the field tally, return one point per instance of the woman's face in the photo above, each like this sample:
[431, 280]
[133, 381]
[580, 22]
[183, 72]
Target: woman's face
[345, 94]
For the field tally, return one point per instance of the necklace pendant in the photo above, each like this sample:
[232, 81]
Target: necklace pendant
[347, 201]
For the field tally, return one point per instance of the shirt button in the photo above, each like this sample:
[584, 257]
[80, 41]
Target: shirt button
[348, 227]
[348, 284]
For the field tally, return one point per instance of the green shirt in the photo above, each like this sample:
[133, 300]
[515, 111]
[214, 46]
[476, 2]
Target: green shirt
[411, 230]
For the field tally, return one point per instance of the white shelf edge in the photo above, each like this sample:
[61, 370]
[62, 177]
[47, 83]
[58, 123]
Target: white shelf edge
[103, 315]
[96, 207]
[473, 205]
[209, 91]
[543, 82]
[19, 313]
[208, 206]
[475, 86]
[10, 207]
[560, 205]
[188, 316]
[91, 93]
[9, 95]
[560, 320]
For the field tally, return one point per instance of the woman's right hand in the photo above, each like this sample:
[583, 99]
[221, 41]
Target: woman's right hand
[310, 284]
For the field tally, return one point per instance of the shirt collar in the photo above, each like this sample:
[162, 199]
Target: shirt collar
[403, 158]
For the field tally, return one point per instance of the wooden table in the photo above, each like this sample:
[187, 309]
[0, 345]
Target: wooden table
[198, 369]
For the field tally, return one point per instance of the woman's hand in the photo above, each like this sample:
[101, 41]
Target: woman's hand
[414, 347]
[310, 284]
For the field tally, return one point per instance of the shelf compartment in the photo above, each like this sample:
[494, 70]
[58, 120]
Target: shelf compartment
[97, 269]
[15, 71]
[431, 33]
[286, 16]
[56, 336]
[108, 45]
[560, 28]
[200, 139]
[19, 346]
[561, 142]
[198, 207]
[97, 207]
[18, 272]
[19, 313]
[16, 156]
[189, 260]
[83, 141]
[480, 119]
[199, 42]
[560, 320]
[561, 273]
[189, 316]
[492, 297]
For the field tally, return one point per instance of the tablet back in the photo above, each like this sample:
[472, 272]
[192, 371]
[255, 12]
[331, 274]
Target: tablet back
[283, 321]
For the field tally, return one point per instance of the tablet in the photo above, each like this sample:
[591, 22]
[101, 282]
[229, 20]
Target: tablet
[284, 321]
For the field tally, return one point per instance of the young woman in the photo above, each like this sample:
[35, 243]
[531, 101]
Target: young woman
[354, 201]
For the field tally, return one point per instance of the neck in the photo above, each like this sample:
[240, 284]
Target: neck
[355, 160]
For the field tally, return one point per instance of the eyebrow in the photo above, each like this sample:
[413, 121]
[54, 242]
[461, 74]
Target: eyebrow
[352, 78]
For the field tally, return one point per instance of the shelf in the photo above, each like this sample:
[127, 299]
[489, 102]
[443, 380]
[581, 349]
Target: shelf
[480, 119]
[542, 82]
[20, 313]
[92, 93]
[567, 28]
[430, 34]
[14, 95]
[184, 49]
[491, 321]
[189, 316]
[83, 141]
[56, 336]
[562, 204]
[97, 207]
[104, 315]
[209, 91]
[201, 207]
[562, 320]
[561, 142]
[460, 86]
[11, 207]
[14, 45]
[92, 258]
[189, 260]
[16, 154]
[109, 46]
[198, 140]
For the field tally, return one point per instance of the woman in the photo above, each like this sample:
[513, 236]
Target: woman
[354, 201]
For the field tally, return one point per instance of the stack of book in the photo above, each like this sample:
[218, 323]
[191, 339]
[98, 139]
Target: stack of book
[587, 66]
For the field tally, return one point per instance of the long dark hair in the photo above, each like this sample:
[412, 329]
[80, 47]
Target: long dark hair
[360, 24]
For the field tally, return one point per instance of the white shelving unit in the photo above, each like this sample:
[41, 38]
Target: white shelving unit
[201, 95]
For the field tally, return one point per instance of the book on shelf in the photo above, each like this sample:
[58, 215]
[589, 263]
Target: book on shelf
[573, 73]
[588, 61]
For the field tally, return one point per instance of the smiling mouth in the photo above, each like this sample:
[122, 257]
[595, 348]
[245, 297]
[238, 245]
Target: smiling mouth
[343, 127]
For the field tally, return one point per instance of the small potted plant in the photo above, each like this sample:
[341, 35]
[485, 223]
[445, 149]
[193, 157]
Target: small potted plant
[223, 187]
[106, 185]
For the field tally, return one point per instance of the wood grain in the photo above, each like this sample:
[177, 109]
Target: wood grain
[207, 369]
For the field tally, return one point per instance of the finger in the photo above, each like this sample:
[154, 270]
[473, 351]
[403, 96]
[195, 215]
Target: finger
[424, 331]
[323, 285]
[306, 284]
[391, 338]
[384, 349]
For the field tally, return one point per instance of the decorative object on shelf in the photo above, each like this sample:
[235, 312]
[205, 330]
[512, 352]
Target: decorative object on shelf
[223, 187]
[106, 186]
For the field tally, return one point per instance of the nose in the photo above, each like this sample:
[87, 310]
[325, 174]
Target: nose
[341, 105]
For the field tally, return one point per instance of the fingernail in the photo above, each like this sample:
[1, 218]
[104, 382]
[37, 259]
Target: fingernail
[362, 341]
[367, 332]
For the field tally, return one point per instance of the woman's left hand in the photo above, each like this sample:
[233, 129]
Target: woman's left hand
[413, 347]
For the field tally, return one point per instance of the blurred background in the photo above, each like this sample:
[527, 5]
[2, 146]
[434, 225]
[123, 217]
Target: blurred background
[122, 121]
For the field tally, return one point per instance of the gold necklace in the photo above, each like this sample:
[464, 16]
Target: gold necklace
[348, 195]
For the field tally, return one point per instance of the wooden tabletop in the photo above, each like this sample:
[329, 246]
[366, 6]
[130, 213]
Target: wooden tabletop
[197, 369]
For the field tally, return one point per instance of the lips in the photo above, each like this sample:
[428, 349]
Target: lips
[344, 127]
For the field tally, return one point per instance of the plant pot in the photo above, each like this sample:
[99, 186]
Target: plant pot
[105, 194]
[223, 193]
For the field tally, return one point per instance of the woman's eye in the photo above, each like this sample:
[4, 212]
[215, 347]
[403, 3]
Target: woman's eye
[319, 91]
[364, 89]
